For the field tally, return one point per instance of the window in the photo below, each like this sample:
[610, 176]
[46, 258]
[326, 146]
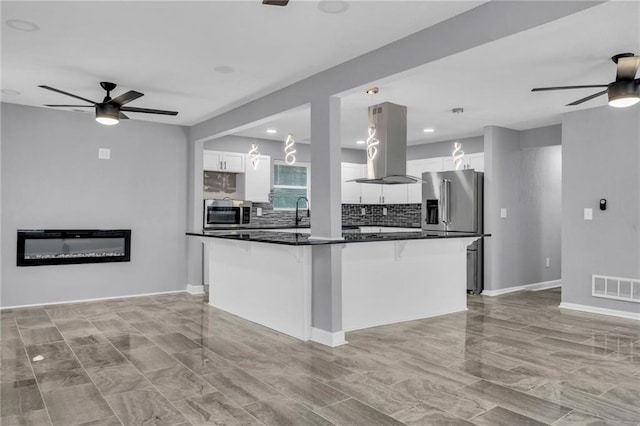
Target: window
[290, 183]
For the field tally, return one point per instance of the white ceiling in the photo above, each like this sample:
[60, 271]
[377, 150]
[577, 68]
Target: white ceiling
[493, 82]
[173, 51]
[170, 51]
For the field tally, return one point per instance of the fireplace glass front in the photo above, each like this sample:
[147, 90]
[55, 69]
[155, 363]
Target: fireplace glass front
[60, 247]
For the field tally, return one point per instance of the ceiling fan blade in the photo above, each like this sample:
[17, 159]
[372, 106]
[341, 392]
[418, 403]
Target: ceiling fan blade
[628, 67]
[125, 98]
[148, 111]
[540, 89]
[72, 106]
[67, 93]
[122, 116]
[588, 98]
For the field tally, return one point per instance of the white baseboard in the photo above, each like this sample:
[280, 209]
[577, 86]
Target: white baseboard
[92, 300]
[326, 338]
[529, 287]
[195, 289]
[602, 311]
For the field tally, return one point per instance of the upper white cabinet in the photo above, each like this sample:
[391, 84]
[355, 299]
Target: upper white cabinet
[256, 182]
[366, 193]
[352, 191]
[476, 162]
[212, 160]
[469, 161]
[395, 194]
[417, 168]
[218, 161]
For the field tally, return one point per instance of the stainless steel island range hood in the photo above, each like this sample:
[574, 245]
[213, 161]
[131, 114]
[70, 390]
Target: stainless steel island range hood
[387, 146]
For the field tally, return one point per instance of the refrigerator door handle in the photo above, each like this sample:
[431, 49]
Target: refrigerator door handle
[445, 197]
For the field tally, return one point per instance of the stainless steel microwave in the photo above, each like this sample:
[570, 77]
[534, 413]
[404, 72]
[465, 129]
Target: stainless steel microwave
[226, 213]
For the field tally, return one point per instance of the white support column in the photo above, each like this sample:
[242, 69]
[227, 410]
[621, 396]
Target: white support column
[326, 222]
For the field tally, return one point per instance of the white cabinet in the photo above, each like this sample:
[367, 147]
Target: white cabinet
[371, 193]
[417, 168]
[395, 194]
[256, 182]
[217, 161]
[352, 191]
[476, 162]
[212, 160]
[469, 161]
[383, 194]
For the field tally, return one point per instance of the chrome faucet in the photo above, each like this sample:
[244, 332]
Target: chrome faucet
[298, 218]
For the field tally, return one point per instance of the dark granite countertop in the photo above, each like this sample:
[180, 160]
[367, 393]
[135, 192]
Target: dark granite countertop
[268, 227]
[348, 236]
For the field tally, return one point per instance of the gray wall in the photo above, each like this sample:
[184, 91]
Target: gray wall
[443, 149]
[52, 178]
[600, 160]
[276, 149]
[523, 175]
[303, 151]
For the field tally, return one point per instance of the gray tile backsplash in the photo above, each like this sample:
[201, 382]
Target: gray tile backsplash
[407, 215]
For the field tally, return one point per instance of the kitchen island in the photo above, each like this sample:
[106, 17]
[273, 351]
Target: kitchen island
[265, 276]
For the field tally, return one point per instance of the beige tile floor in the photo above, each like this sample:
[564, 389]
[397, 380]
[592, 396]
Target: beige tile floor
[173, 360]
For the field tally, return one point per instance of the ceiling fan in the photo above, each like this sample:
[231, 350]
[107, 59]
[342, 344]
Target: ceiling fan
[623, 92]
[110, 111]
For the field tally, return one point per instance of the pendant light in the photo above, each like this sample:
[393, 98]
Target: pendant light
[254, 156]
[457, 153]
[372, 142]
[289, 150]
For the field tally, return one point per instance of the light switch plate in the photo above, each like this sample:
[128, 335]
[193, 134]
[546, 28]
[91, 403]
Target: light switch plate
[363, 211]
[503, 212]
[104, 154]
[384, 211]
[588, 214]
[259, 211]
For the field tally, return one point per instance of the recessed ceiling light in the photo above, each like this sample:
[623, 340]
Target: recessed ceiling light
[360, 142]
[428, 130]
[21, 25]
[272, 131]
[9, 92]
[333, 6]
[223, 69]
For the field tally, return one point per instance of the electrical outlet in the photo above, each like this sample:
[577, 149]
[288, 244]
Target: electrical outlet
[588, 214]
[363, 211]
[547, 263]
[503, 213]
[384, 211]
[104, 154]
[259, 211]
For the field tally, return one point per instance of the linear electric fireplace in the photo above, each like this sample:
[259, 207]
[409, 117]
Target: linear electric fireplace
[68, 246]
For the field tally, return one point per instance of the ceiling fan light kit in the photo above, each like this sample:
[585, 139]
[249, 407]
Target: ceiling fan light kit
[622, 93]
[107, 114]
[110, 111]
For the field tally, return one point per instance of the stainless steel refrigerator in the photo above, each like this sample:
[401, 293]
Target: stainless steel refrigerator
[452, 201]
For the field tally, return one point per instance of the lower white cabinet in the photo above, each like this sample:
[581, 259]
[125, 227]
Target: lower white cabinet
[256, 182]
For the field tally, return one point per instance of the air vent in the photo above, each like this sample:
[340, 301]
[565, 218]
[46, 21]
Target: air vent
[617, 288]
